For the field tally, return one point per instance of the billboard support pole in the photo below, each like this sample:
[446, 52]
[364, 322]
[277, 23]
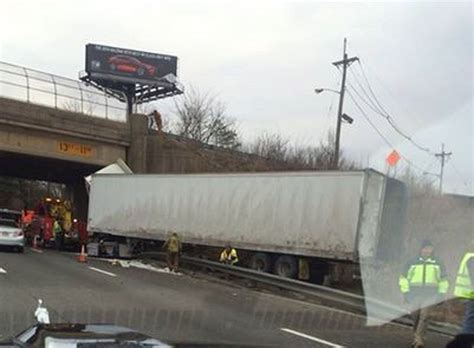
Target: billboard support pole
[129, 104]
[130, 95]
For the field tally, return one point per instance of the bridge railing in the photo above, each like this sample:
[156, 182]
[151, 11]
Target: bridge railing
[32, 86]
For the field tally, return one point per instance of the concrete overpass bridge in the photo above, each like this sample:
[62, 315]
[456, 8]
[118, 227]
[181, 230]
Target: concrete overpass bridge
[38, 142]
[57, 129]
[60, 130]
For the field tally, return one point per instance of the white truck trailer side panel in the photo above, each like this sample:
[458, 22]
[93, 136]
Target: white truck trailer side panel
[304, 213]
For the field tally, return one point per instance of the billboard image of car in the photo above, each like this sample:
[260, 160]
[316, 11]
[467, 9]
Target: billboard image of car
[125, 65]
[131, 65]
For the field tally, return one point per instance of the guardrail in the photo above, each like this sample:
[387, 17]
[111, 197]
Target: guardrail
[32, 86]
[330, 296]
[334, 296]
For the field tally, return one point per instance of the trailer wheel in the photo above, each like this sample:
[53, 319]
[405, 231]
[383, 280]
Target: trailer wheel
[286, 266]
[261, 262]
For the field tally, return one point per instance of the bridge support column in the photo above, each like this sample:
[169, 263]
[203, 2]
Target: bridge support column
[136, 155]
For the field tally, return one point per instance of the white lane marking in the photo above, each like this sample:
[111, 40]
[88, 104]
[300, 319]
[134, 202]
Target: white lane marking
[312, 338]
[103, 272]
[37, 250]
[3, 271]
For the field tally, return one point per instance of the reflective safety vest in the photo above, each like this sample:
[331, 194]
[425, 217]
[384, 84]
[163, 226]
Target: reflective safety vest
[56, 227]
[422, 274]
[464, 287]
[173, 245]
[231, 257]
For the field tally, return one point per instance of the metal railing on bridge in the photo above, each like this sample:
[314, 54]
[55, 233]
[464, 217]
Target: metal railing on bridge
[32, 86]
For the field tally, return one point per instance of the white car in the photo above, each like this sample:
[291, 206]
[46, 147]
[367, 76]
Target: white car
[11, 234]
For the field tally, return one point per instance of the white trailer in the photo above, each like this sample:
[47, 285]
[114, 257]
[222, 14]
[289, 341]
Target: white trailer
[277, 218]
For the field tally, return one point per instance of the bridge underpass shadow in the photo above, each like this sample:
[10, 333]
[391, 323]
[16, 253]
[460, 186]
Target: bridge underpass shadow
[69, 173]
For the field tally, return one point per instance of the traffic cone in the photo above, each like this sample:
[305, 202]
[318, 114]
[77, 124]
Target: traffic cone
[82, 256]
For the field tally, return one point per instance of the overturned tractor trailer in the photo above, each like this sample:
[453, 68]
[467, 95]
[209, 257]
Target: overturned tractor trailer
[305, 225]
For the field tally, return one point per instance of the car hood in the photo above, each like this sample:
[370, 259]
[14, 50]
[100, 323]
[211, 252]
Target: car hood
[94, 335]
[76, 335]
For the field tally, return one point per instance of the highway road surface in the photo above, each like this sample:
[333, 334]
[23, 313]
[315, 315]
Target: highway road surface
[175, 308]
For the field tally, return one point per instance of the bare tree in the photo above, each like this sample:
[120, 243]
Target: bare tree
[16, 193]
[418, 185]
[202, 117]
[278, 148]
[272, 146]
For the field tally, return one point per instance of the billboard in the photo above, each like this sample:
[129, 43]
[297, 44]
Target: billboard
[120, 64]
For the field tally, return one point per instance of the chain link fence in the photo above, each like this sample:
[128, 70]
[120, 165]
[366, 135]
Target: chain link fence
[32, 86]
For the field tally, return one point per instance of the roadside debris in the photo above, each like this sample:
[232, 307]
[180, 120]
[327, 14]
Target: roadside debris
[141, 265]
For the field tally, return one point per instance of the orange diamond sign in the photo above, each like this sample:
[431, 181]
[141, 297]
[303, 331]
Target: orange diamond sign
[393, 158]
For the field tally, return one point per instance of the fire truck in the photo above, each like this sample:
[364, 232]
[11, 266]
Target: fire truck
[39, 223]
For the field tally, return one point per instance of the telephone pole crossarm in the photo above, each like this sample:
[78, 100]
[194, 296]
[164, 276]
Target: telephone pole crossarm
[347, 61]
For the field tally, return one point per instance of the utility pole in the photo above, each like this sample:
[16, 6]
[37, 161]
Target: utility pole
[444, 156]
[345, 62]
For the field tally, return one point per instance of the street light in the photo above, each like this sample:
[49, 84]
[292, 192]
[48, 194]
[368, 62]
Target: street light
[347, 118]
[321, 90]
[340, 117]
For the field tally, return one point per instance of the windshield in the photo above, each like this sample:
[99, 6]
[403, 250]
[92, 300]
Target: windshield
[259, 173]
[9, 223]
[10, 215]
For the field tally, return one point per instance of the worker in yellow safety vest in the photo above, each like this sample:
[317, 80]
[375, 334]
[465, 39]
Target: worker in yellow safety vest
[464, 288]
[173, 250]
[58, 234]
[423, 282]
[229, 256]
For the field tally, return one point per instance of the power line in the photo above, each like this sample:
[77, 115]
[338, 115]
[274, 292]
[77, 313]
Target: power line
[458, 173]
[373, 103]
[379, 109]
[369, 120]
[370, 103]
[364, 114]
[428, 167]
[370, 89]
[369, 100]
[390, 121]
[365, 101]
[381, 83]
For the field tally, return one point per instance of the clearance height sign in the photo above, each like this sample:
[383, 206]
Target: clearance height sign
[72, 149]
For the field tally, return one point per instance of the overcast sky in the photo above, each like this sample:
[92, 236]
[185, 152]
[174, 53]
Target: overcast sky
[264, 59]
